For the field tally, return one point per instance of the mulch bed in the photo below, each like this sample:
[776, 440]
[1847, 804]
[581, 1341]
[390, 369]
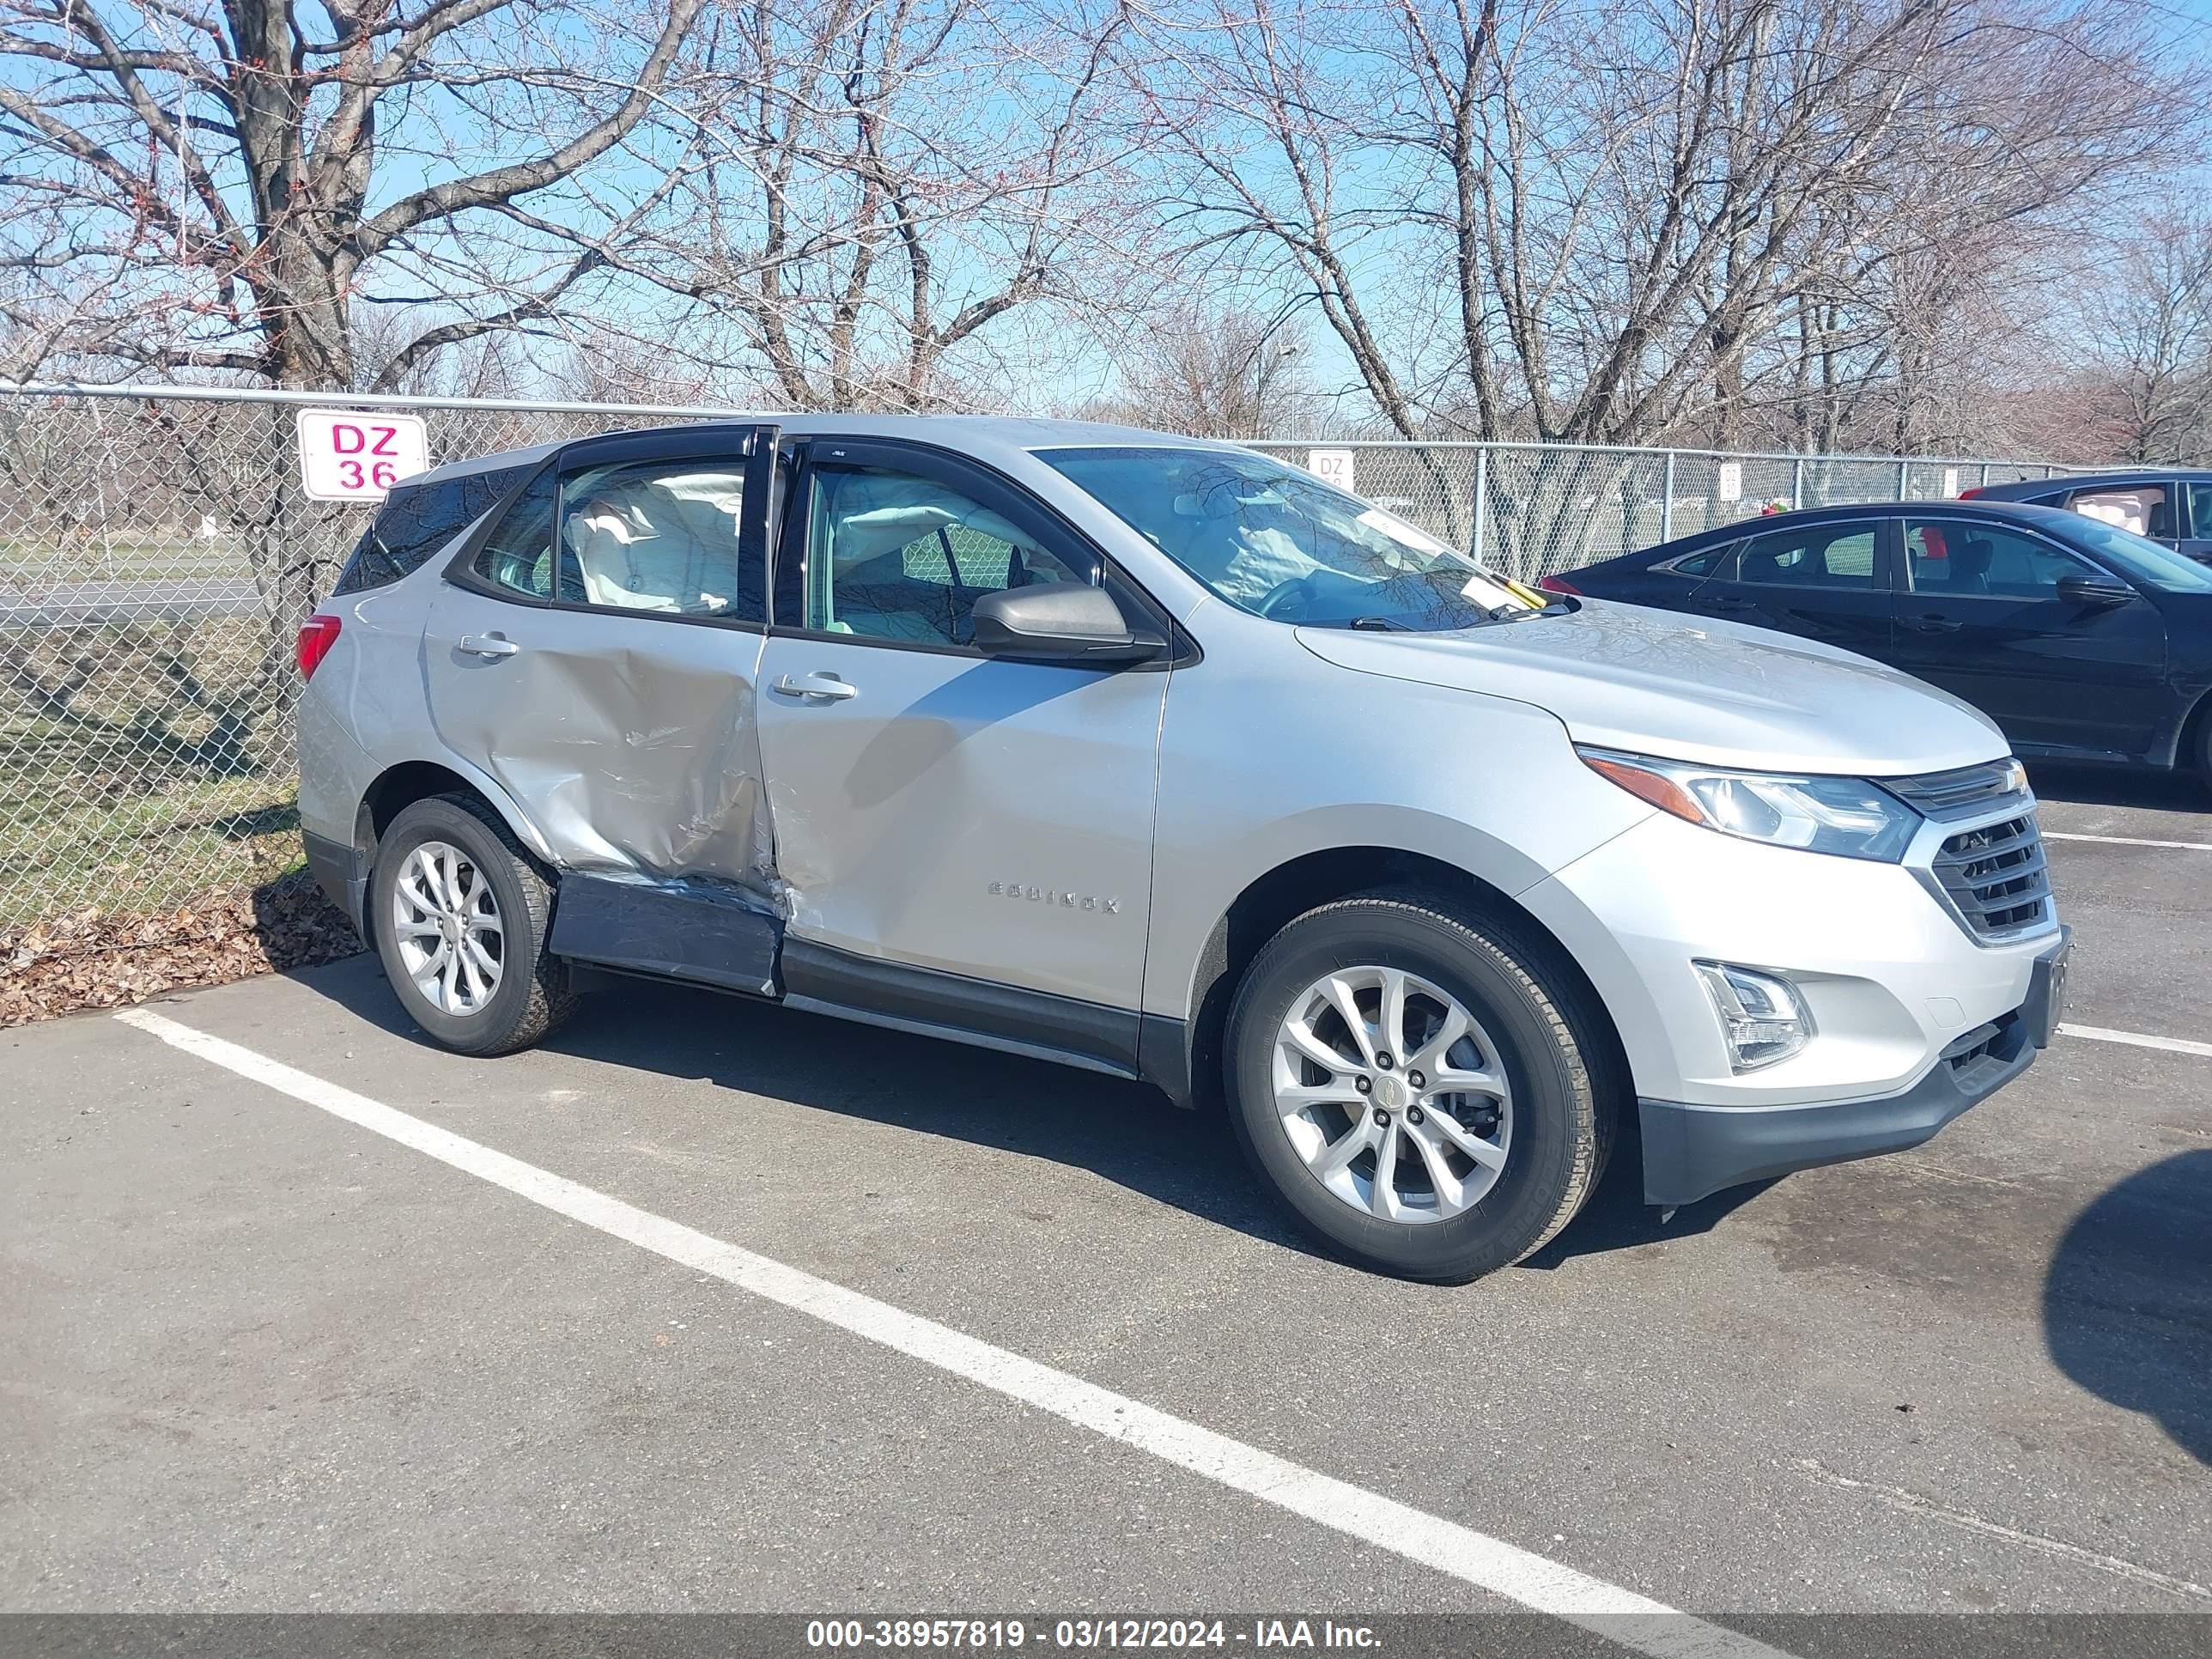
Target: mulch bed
[105, 958]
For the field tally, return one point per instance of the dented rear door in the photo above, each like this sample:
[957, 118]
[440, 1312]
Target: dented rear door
[596, 648]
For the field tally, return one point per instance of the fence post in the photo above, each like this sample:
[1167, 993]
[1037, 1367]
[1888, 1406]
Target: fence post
[1797, 482]
[1904, 481]
[1481, 496]
[1667, 501]
[1985, 475]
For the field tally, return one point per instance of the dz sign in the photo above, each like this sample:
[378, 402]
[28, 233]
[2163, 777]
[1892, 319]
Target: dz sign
[1331, 466]
[356, 458]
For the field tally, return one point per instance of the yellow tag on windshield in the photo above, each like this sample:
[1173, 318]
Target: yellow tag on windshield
[1535, 599]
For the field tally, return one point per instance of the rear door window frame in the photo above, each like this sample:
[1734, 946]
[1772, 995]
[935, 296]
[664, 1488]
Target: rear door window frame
[1881, 579]
[756, 445]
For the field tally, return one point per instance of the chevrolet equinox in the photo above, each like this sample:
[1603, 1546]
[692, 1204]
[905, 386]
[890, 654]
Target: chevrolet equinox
[1167, 759]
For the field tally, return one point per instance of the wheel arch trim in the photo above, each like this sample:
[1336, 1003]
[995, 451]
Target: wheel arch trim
[1289, 888]
[477, 780]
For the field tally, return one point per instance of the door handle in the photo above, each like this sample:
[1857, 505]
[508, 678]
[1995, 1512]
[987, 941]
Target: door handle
[827, 687]
[1730, 602]
[488, 645]
[1932, 624]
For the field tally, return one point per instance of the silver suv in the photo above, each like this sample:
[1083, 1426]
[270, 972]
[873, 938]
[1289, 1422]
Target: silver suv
[1169, 760]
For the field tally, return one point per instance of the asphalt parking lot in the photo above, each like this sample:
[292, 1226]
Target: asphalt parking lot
[256, 1356]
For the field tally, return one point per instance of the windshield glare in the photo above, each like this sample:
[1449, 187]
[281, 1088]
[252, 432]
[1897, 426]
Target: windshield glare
[2161, 567]
[1274, 540]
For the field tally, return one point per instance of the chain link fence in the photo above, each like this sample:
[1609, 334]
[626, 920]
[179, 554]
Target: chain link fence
[1531, 509]
[158, 553]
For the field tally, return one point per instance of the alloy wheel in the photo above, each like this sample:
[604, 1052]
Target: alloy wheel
[1393, 1094]
[447, 924]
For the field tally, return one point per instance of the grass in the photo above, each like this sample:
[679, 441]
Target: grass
[36, 564]
[169, 772]
[58, 857]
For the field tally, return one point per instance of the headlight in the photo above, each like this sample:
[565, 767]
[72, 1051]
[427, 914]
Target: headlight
[1848, 817]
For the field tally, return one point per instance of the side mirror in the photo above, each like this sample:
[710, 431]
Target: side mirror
[2099, 593]
[1061, 623]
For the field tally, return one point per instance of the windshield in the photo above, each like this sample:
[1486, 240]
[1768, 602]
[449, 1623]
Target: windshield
[1273, 539]
[2140, 557]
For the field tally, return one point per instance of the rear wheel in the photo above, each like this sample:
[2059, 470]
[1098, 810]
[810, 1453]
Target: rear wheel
[1409, 1080]
[460, 914]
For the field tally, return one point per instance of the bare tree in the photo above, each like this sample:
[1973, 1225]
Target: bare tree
[234, 179]
[2154, 328]
[1221, 374]
[1606, 222]
[871, 189]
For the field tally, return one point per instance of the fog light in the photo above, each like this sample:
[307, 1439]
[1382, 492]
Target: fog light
[1762, 1016]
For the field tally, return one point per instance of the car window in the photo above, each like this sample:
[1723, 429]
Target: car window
[518, 555]
[1700, 564]
[2147, 562]
[2146, 509]
[1276, 541]
[1816, 556]
[894, 555]
[416, 520]
[656, 536]
[1962, 558]
[2199, 512]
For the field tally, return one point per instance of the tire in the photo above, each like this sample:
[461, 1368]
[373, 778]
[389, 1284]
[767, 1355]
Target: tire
[531, 993]
[1555, 1117]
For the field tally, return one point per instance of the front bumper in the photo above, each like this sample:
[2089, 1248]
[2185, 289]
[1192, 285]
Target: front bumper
[1690, 1151]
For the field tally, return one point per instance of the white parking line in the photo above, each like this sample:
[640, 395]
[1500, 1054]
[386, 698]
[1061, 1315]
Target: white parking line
[2136, 1039]
[1490, 1563]
[2132, 840]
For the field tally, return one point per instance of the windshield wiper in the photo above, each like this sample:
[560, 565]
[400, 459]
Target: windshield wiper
[1378, 625]
[1521, 612]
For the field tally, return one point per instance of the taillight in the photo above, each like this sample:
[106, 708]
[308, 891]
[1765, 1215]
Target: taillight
[1969, 495]
[316, 637]
[1558, 584]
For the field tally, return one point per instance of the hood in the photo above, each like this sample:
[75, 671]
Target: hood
[1622, 677]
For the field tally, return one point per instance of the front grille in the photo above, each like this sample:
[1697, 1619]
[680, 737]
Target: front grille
[1995, 878]
[1962, 789]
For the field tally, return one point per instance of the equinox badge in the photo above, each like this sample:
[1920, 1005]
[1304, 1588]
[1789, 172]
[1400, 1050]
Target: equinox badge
[1015, 890]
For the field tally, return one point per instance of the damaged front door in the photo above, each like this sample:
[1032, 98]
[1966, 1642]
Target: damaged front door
[963, 841]
[596, 650]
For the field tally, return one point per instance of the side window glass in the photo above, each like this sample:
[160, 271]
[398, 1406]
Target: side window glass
[893, 555]
[415, 522]
[2144, 509]
[2199, 512]
[1967, 559]
[659, 535]
[1821, 555]
[1706, 563]
[518, 556]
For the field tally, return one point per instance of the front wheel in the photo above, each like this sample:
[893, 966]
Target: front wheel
[459, 913]
[1409, 1080]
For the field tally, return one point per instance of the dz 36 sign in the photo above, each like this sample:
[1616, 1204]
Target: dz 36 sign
[356, 458]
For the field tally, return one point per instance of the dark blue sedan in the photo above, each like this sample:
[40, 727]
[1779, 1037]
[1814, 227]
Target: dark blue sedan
[2082, 640]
